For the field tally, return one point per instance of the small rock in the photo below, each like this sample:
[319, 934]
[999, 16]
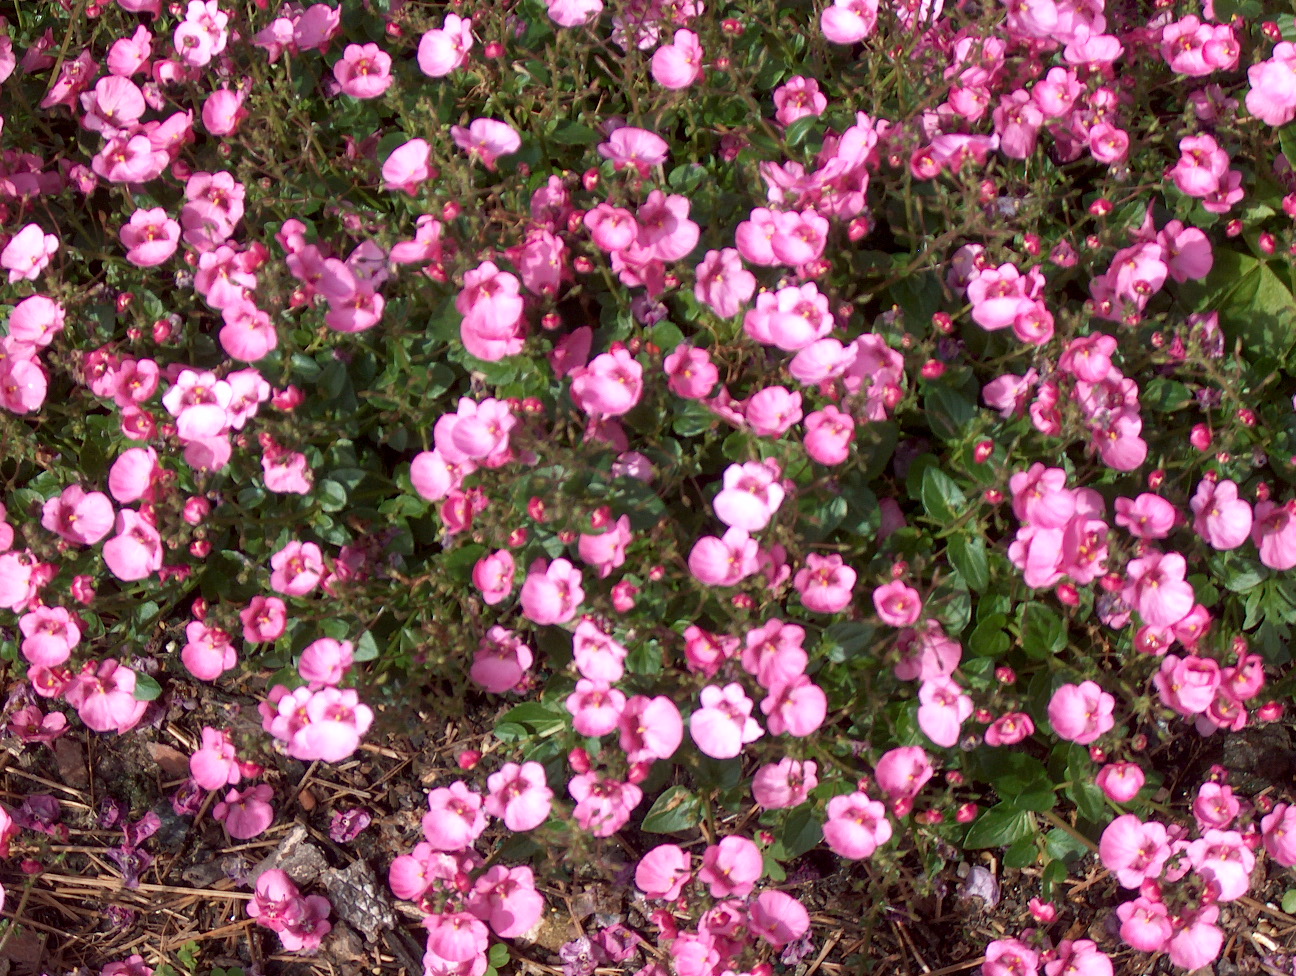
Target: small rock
[358, 899]
[71, 760]
[174, 763]
[295, 856]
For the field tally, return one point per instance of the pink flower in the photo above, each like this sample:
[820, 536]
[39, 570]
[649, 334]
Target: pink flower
[215, 765]
[943, 710]
[35, 321]
[247, 813]
[445, 49]
[297, 568]
[771, 412]
[679, 64]
[1197, 941]
[501, 661]
[726, 561]
[1120, 781]
[1156, 588]
[663, 872]
[223, 111]
[552, 593]
[629, 146]
[1134, 851]
[506, 899]
[1187, 685]
[457, 937]
[603, 806]
[691, 373]
[651, 729]
[829, 434]
[849, 21]
[1008, 730]
[135, 552]
[407, 166]
[1146, 517]
[797, 98]
[519, 796]
[778, 918]
[731, 867]
[491, 305]
[901, 773]
[610, 386]
[208, 652]
[723, 283]
[1272, 96]
[28, 253]
[264, 619]
[493, 576]
[78, 516]
[487, 140]
[1215, 806]
[364, 71]
[49, 634]
[826, 584]
[325, 662]
[856, 826]
[785, 784]
[897, 605]
[573, 13]
[797, 707]
[1274, 533]
[1081, 713]
[606, 551]
[104, 697]
[1080, 957]
[1145, 924]
[455, 818]
[1010, 957]
[596, 655]
[723, 724]
[751, 495]
[1278, 829]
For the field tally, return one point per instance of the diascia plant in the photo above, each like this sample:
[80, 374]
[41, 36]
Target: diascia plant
[882, 412]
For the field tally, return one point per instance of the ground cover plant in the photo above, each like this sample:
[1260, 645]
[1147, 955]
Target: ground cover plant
[654, 487]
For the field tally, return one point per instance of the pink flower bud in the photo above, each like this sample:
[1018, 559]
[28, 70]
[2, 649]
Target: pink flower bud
[1270, 711]
[1233, 228]
[1005, 675]
[966, 813]
[196, 509]
[468, 759]
[932, 369]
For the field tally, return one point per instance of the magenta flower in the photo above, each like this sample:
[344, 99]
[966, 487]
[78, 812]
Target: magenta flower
[725, 561]
[501, 661]
[28, 253]
[663, 872]
[943, 710]
[78, 516]
[264, 619]
[629, 146]
[897, 605]
[519, 796]
[35, 321]
[651, 728]
[297, 568]
[407, 166]
[364, 71]
[247, 813]
[609, 386]
[150, 238]
[445, 49]
[679, 64]
[901, 773]
[215, 765]
[856, 826]
[49, 634]
[731, 867]
[1010, 957]
[797, 707]
[849, 21]
[455, 818]
[784, 784]
[487, 140]
[507, 900]
[1081, 713]
[1274, 533]
[723, 724]
[595, 707]
[208, 652]
[1156, 588]
[135, 552]
[826, 584]
[1145, 924]
[1120, 781]
[1278, 830]
[325, 662]
[603, 806]
[552, 593]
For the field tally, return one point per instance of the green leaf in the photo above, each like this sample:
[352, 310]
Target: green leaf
[1023, 853]
[366, 648]
[1043, 632]
[1289, 901]
[941, 496]
[693, 418]
[1038, 801]
[988, 638]
[1089, 800]
[1061, 846]
[676, 809]
[332, 497]
[1013, 773]
[801, 832]
[999, 826]
[499, 955]
[968, 554]
[796, 133]
[535, 717]
[575, 134]
[948, 412]
[146, 688]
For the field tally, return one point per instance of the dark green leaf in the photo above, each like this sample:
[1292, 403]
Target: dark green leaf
[1043, 632]
[988, 638]
[146, 688]
[999, 826]
[575, 134]
[676, 809]
[968, 554]
[801, 832]
[1023, 853]
[941, 496]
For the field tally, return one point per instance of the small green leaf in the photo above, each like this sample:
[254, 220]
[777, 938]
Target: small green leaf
[366, 648]
[1043, 632]
[941, 496]
[1061, 846]
[534, 716]
[499, 955]
[968, 554]
[797, 132]
[146, 688]
[1289, 901]
[1023, 853]
[801, 832]
[999, 826]
[332, 496]
[676, 809]
[575, 134]
[989, 639]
